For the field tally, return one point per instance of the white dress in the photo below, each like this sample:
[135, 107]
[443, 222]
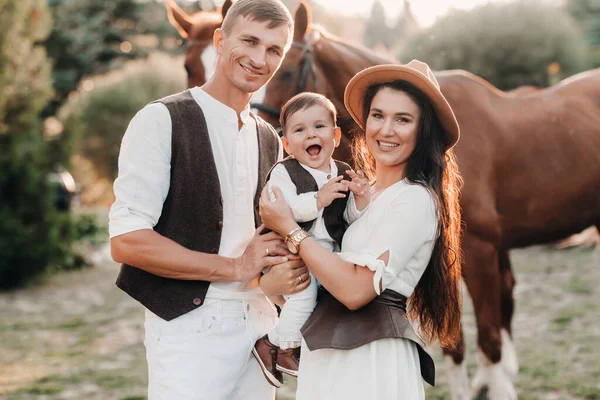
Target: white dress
[403, 220]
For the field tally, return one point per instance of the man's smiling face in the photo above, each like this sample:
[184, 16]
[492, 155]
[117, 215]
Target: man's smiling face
[251, 53]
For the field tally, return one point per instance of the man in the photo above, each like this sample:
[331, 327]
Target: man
[191, 170]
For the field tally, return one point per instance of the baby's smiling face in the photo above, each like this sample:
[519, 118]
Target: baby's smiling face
[311, 137]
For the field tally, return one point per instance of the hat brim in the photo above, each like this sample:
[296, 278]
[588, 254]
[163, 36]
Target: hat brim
[357, 87]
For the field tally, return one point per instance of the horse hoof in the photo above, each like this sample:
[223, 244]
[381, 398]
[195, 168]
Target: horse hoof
[500, 385]
[481, 379]
[457, 380]
[482, 393]
[509, 360]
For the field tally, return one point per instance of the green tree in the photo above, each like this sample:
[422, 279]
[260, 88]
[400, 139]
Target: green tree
[90, 37]
[510, 45]
[32, 236]
[97, 119]
[587, 13]
[406, 25]
[377, 31]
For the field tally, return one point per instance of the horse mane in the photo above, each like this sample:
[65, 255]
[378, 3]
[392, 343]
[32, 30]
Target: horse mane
[353, 49]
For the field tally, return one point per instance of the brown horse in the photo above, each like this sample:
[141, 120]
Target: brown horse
[197, 29]
[531, 167]
[515, 152]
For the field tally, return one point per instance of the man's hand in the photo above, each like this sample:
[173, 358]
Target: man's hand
[262, 251]
[331, 191]
[286, 278]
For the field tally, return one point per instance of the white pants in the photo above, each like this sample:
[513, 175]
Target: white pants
[295, 312]
[206, 353]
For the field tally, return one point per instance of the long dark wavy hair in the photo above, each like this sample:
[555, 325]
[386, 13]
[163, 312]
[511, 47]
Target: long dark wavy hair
[436, 302]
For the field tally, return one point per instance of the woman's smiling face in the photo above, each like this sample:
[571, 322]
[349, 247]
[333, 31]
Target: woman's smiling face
[391, 127]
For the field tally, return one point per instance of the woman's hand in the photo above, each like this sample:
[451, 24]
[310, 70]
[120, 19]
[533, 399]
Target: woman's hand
[276, 215]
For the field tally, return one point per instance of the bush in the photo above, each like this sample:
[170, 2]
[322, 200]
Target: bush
[86, 233]
[31, 230]
[98, 118]
[86, 37]
[510, 45]
[89, 230]
[587, 15]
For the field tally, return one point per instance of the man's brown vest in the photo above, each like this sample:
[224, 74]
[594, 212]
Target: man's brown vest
[333, 214]
[192, 214]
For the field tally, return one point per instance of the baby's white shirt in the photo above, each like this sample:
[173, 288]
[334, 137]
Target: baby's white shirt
[304, 205]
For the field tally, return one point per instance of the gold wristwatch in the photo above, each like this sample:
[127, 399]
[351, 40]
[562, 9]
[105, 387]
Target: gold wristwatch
[293, 239]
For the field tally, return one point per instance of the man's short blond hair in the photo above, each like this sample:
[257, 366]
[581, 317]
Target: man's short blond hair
[273, 11]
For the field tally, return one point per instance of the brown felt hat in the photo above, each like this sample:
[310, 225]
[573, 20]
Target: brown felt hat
[415, 72]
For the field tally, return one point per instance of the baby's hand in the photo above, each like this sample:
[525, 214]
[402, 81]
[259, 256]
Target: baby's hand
[331, 191]
[361, 189]
[359, 184]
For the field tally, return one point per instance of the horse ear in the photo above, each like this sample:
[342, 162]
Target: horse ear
[179, 18]
[225, 7]
[302, 21]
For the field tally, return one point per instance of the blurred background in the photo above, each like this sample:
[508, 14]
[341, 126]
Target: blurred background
[74, 72]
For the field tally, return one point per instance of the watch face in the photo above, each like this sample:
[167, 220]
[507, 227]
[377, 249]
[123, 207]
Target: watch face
[291, 247]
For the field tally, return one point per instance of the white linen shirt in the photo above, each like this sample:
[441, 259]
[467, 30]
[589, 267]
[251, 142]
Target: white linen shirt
[304, 205]
[144, 178]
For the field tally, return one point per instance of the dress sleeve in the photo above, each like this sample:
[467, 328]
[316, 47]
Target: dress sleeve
[144, 171]
[351, 213]
[407, 229]
[304, 205]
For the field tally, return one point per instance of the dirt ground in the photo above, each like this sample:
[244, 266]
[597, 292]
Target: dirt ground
[76, 336]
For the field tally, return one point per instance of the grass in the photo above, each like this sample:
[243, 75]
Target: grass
[77, 336]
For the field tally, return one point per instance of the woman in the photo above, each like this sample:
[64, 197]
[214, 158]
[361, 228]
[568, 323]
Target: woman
[358, 342]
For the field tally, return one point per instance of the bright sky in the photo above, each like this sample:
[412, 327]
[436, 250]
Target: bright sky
[426, 11]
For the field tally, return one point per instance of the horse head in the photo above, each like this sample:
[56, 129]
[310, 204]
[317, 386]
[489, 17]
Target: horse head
[298, 71]
[197, 29]
[321, 63]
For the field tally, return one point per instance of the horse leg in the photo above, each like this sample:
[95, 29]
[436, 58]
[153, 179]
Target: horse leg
[483, 279]
[458, 379]
[509, 354]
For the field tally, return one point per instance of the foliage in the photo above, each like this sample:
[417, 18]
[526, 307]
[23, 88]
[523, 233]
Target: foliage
[98, 118]
[86, 232]
[88, 229]
[406, 25]
[509, 44]
[30, 228]
[587, 13]
[90, 37]
[376, 30]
